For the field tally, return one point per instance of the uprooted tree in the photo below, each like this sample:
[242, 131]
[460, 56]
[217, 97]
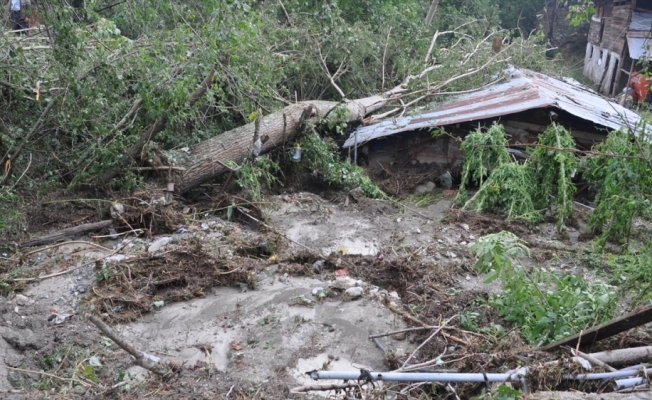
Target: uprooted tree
[115, 88]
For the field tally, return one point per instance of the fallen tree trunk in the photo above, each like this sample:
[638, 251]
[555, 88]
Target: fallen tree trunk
[207, 157]
[625, 356]
[66, 233]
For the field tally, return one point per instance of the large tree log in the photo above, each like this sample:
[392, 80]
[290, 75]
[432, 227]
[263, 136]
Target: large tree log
[207, 157]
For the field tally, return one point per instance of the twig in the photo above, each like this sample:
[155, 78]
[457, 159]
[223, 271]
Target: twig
[50, 375]
[591, 359]
[64, 243]
[164, 167]
[426, 341]
[421, 328]
[39, 278]
[382, 87]
[229, 392]
[287, 16]
[112, 388]
[142, 359]
[332, 386]
[23, 174]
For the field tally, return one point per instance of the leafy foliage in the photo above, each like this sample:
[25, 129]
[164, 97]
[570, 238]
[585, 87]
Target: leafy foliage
[321, 158]
[545, 305]
[553, 169]
[482, 151]
[632, 273]
[253, 174]
[521, 191]
[621, 173]
[508, 189]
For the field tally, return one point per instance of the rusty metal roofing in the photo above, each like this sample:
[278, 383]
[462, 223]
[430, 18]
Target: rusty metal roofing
[523, 90]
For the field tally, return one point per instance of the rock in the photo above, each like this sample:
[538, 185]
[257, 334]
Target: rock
[22, 300]
[342, 283]
[394, 295]
[204, 226]
[357, 194]
[159, 244]
[318, 266]
[354, 292]
[399, 336]
[319, 292]
[465, 227]
[424, 188]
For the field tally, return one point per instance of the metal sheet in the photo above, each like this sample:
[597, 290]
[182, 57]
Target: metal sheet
[639, 48]
[523, 90]
[641, 21]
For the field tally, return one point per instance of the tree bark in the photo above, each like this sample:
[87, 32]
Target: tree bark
[133, 153]
[431, 11]
[207, 157]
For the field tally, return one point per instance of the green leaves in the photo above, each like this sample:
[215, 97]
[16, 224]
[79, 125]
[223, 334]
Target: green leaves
[521, 191]
[545, 305]
[619, 171]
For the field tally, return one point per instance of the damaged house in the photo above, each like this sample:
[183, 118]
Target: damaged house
[618, 38]
[526, 103]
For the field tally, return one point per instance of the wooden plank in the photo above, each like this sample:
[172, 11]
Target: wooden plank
[66, 233]
[608, 329]
[537, 128]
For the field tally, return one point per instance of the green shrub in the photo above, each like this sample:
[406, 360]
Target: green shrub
[545, 305]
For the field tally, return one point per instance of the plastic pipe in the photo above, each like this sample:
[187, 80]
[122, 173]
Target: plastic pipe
[629, 383]
[421, 377]
[603, 375]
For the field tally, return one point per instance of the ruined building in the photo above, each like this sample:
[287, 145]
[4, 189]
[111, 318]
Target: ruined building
[618, 37]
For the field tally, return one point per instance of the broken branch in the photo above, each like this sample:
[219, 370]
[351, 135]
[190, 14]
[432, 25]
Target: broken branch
[144, 360]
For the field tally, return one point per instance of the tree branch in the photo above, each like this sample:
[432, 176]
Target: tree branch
[133, 153]
[144, 360]
[29, 135]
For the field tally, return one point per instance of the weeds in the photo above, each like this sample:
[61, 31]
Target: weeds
[320, 156]
[482, 152]
[253, 174]
[522, 191]
[622, 177]
[545, 305]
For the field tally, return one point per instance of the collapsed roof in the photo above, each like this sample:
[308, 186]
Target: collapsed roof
[523, 90]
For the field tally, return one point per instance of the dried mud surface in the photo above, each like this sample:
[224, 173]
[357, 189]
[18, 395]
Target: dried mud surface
[246, 308]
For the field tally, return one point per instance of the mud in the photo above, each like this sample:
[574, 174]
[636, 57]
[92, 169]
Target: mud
[250, 310]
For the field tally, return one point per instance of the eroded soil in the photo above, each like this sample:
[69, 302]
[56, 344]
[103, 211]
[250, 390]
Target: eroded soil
[247, 309]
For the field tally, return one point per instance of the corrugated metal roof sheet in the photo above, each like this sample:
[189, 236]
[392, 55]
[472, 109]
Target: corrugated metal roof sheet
[641, 21]
[638, 48]
[524, 90]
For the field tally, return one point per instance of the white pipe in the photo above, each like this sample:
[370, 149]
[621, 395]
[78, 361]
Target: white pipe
[421, 377]
[629, 383]
[603, 375]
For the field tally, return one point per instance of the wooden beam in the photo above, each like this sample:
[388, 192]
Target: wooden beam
[537, 128]
[608, 329]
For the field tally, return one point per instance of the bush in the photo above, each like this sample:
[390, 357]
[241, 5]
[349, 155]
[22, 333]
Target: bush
[545, 305]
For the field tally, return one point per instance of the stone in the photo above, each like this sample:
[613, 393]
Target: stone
[22, 300]
[357, 194]
[399, 336]
[342, 283]
[354, 292]
[424, 188]
[159, 244]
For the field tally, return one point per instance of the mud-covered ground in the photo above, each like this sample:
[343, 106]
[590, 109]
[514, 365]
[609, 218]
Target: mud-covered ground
[245, 309]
